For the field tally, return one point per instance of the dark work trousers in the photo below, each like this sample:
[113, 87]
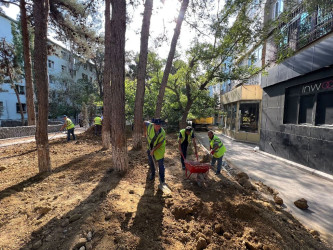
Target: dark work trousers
[184, 151]
[98, 129]
[69, 132]
[161, 169]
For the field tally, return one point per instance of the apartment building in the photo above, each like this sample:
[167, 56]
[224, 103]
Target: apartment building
[241, 100]
[297, 103]
[63, 65]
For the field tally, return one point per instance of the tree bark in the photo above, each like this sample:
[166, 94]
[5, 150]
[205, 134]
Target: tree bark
[40, 11]
[170, 58]
[140, 90]
[182, 123]
[106, 128]
[27, 65]
[118, 133]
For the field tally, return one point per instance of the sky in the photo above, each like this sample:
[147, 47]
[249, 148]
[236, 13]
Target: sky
[162, 22]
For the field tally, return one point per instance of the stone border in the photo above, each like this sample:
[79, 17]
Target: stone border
[10, 132]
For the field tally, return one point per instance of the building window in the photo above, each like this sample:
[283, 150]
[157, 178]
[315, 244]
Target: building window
[324, 110]
[277, 9]
[84, 77]
[24, 107]
[1, 108]
[249, 113]
[310, 103]
[64, 55]
[291, 107]
[51, 64]
[51, 78]
[90, 79]
[305, 109]
[63, 68]
[85, 66]
[20, 89]
[90, 68]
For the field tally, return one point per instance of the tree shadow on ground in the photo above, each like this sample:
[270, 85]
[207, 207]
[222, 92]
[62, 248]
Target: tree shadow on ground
[76, 217]
[41, 176]
[148, 222]
[17, 155]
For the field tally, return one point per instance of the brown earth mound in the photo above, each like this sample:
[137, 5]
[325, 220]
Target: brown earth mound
[85, 202]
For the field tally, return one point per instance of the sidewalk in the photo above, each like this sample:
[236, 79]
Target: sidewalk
[291, 182]
[26, 139]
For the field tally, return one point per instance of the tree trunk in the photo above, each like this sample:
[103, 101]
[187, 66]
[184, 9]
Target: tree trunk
[40, 12]
[27, 65]
[106, 128]
[140, 90]
[170, 58]
[118, 135]
[182, 123]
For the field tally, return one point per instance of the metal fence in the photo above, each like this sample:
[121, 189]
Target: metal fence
[305, 28]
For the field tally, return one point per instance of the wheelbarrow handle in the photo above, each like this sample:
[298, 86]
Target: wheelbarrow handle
[181, 153]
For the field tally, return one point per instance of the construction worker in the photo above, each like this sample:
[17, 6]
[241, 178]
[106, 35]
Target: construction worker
[98, 125]
[69, 125]
[217, 151]
[156, 148]
[184, 139]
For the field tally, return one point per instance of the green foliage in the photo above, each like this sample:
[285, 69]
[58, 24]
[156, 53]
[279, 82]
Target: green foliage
[67, 96]
[130, 90]
[18, 43]
[203, 106]
[9, 66]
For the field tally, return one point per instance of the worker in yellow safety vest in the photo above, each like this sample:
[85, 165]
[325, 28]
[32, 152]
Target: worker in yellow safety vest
[156, 148]
[217, 151]
[69, 125]
[98, 125]
[185, 137]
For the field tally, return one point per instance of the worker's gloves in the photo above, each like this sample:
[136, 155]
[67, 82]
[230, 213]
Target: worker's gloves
[212, 152]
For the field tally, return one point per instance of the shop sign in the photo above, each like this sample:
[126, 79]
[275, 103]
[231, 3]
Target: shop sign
[317, 87]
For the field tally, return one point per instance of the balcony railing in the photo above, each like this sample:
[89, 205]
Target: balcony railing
[305, 28]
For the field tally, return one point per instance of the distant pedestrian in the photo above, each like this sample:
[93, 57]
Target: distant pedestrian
[217, 150]
[156, 147]
[69, 125]
[184, 139]
[98, 125]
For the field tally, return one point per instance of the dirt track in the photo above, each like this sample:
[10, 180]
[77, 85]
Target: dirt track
[84, 202]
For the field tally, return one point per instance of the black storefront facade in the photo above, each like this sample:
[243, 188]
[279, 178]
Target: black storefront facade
[297, 107]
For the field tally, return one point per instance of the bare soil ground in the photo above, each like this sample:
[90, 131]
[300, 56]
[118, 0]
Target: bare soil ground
[85, 204]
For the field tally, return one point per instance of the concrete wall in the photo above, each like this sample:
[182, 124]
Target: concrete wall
[9, 132]
[305, 144]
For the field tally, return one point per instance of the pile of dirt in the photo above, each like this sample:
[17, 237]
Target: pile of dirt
[84, 202]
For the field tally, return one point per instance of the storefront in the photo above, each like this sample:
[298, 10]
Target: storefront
[241, 113]
[297, 120]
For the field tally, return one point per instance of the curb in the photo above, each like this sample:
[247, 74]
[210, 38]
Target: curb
[312, 171]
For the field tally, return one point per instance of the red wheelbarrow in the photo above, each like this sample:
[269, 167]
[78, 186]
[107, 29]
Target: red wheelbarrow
[195, 167]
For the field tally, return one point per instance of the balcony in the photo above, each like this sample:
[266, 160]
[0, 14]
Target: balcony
[304, 28]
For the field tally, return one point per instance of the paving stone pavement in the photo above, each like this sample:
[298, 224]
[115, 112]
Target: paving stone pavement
[291, 181]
